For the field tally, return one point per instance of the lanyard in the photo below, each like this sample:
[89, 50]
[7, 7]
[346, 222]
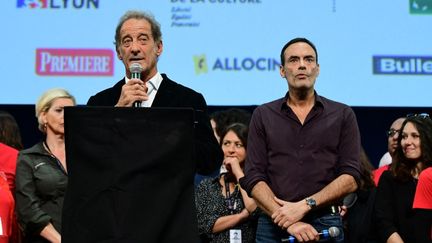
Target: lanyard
[229, 200]
[56, 159]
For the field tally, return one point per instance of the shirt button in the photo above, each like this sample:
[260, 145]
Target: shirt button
[301, 145]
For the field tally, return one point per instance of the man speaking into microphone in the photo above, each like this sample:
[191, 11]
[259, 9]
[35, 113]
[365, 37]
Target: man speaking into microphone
[138, 42]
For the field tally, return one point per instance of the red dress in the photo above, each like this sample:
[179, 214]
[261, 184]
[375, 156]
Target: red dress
[8, 158]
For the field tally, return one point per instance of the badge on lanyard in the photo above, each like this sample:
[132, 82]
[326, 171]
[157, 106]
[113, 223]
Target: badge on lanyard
[235, 236]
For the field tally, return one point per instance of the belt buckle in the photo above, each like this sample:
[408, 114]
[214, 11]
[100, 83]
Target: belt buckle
[334, 210]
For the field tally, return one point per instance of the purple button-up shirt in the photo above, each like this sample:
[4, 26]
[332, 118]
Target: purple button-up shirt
[298, 160]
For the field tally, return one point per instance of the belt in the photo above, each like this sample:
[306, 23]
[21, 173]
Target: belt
[319, 212]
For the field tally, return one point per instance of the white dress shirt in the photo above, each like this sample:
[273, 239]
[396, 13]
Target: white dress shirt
[152, 88]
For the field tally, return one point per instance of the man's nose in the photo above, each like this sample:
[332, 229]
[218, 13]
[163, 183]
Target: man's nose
[302, 64]
[134, 47]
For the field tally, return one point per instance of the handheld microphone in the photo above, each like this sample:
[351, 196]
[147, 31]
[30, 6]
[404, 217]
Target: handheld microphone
[332, 232]
[136, 69]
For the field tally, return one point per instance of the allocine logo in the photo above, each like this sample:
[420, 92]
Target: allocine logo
[420, 6]
[235, 64]
[402, 65]
[58, 4]
[75, 62]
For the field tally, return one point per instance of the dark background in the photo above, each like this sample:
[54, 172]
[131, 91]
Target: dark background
[373, 123]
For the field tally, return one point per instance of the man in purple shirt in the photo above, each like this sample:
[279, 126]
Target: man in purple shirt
[303, 154]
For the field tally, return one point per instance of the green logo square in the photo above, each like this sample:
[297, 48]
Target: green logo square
[200, 62]
[420, 6]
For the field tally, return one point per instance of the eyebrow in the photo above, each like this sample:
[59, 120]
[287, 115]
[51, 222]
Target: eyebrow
[140, 35]
[298, 57]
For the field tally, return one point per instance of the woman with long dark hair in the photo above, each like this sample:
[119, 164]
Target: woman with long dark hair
[394, 212]
[225, 211]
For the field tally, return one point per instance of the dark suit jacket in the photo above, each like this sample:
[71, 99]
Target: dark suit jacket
[171, 94]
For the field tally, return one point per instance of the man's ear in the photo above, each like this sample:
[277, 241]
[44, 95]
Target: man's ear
[159, 48]
[282, 71]
[118, 54]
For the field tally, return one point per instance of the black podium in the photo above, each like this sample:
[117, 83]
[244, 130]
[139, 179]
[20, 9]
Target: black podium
[130, 175]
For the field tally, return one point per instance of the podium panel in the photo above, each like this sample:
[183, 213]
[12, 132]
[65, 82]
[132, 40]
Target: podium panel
[131, 175]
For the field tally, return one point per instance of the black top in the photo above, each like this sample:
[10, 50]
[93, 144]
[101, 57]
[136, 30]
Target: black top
[358, 220]
[40, 189]
[393, 207]
[211, 205]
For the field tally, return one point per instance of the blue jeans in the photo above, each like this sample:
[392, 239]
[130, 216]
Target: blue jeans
[268, 232]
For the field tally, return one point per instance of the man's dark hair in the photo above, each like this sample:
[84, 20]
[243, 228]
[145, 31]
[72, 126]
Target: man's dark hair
[295, 40]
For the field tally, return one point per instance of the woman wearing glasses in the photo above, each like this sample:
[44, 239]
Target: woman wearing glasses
[395, 193]
[41, 173]
[224, 209]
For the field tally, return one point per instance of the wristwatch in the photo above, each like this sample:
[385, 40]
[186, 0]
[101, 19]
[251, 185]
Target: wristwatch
[311, 202]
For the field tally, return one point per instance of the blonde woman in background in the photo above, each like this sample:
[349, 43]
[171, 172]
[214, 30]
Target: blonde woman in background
[41, 175]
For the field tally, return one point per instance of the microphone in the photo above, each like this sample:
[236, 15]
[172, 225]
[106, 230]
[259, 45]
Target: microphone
[332, 232]
[136, 69]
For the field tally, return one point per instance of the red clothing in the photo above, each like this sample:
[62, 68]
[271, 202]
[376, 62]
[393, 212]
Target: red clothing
[378, 172]
[423, 195]
[8, 159]
[7, 205]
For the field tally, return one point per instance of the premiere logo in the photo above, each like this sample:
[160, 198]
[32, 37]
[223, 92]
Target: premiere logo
[74, 62]
[419, 65]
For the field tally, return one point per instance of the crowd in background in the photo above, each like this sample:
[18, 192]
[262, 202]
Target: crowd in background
[396, 206]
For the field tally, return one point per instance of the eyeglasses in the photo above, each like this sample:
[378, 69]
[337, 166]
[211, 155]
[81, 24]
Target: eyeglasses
[420, 115]
[392, 132]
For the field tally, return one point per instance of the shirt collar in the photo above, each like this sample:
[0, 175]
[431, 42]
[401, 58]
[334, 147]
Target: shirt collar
[318, 101]
[155, 81]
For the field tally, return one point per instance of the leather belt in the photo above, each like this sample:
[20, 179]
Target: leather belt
[319, 212]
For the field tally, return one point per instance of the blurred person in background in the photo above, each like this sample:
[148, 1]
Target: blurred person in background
[357, 208]
[393, 209]
[392, 143]
[224, 209]
[220, 120]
